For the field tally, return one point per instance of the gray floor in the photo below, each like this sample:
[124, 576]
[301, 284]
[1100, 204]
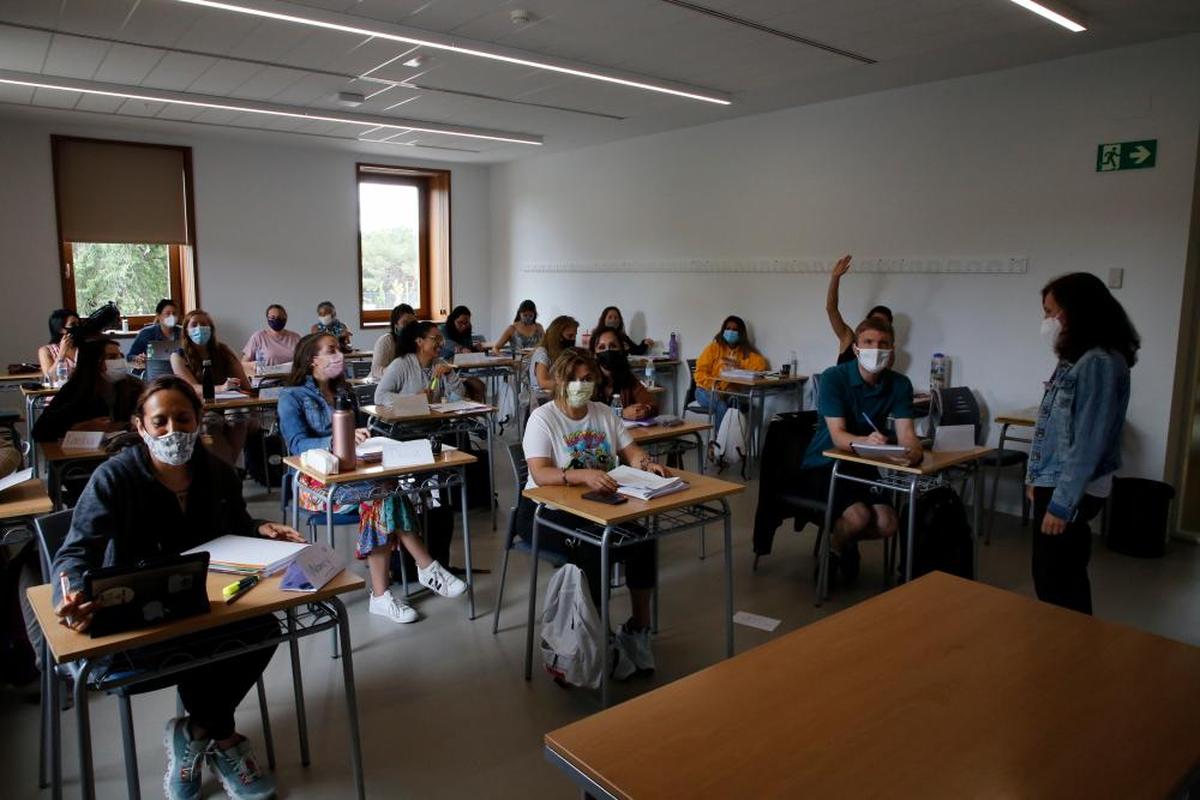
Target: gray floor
[445, 712]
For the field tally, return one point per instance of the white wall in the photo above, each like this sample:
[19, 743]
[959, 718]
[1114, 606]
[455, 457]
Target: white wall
[274, 222]
[1002, 163]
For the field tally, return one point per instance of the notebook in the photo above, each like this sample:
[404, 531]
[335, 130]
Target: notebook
[248, 555]
[877, 450]
[456, 407]
[643, 485]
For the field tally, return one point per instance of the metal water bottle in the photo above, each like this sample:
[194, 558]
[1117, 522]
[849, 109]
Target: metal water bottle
[207, 389]
[342, 442]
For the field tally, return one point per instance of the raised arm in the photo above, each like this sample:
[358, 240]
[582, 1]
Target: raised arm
[841, 330]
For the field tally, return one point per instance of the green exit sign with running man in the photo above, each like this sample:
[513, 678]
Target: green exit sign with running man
[1126, 155]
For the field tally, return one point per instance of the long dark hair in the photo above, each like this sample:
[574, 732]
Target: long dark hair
[58, 319]
[193, 354]
[398, 312]
[86, 375]
[408, 337]
[526, 305]
[744, 344]
[620, 378]
[1094, 318]
[600, 323]
[302, 362]
[451, 332]
[169, 383]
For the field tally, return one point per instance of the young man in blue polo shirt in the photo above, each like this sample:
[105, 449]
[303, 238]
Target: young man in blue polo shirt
[856, 400]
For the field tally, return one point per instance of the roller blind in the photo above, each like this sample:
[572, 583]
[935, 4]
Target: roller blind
[116, 192]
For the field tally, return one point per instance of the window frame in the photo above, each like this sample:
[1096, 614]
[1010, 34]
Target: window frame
[185, 289]
[427, 182]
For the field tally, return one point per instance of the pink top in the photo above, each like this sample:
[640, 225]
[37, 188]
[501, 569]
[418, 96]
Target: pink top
[280, 347]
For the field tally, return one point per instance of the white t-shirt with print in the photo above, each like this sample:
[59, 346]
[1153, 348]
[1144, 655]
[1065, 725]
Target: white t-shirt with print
[593, 442]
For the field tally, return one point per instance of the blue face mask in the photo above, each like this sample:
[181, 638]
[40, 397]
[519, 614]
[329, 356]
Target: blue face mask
[730, 337]
[200, 334]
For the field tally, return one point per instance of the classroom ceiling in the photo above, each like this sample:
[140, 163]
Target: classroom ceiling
[760, 54]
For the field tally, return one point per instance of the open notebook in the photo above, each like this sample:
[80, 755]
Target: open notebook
[248, 554]
[644, 485]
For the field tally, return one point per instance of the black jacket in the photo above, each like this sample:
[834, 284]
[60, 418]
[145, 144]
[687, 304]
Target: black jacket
[76, 403]
[125, 516]
[783, 451]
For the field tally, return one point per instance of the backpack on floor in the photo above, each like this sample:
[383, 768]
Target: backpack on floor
[943, 536]
[506, 403]
[271, 473]
[728, 447]
[572, 637]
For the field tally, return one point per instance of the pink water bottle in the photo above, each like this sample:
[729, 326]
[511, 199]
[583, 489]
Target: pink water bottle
[343, 435]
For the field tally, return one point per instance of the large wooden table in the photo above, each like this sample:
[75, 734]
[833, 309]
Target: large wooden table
[18, 506]
[69, 647]
[942, 688]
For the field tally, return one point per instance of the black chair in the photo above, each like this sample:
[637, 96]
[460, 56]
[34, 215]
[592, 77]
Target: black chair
[787, 439]
[689, 400]
[51, 531]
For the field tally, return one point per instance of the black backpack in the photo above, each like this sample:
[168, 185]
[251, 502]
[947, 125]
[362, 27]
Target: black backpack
[943, 537]
[271, 473]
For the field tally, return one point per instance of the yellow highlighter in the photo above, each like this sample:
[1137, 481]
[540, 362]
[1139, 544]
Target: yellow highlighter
[235, 590]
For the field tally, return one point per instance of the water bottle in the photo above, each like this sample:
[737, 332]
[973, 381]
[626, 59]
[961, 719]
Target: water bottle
[260, 362]
[342, 442]
[618, 407]
[208, 390]
[62, 371]
[795, 364]
[673, 346]
[938, 368]
[648, 374]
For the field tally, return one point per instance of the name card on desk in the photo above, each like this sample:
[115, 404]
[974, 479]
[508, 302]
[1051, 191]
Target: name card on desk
[408, 454]
[315, 566]
[83, 440]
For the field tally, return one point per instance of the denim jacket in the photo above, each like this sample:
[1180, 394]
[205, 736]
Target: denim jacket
[305, 418]
[1078, 433]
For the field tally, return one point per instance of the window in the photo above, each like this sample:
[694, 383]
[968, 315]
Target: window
[403, 241]
[125, 228]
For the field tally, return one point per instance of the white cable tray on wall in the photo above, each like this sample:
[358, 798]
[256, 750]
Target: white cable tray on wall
[940, 265]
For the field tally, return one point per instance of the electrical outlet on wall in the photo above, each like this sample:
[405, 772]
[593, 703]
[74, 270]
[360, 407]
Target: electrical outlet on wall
[1116, 278]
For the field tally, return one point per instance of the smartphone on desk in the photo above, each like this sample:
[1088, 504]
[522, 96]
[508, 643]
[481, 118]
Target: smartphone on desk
[608, 498]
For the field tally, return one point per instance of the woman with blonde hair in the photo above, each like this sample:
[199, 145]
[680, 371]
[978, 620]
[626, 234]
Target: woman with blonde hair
[559, 336]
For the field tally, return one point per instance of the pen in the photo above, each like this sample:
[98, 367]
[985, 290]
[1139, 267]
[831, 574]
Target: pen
[65, 585]
[235, 590]
[871, 423]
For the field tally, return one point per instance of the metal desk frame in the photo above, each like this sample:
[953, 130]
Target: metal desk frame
[756, 412]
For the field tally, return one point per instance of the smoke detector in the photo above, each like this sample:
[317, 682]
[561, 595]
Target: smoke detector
[350, 99]
[520, 16]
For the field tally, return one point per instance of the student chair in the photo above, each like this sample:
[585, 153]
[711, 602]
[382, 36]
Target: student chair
[51, 531]
[690, 406]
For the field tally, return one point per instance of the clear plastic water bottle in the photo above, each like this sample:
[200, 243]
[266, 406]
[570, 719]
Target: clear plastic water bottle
[618, 407]
[648, 374]
[937, 372]
[795, 364]
[260, 362]
[62, 371]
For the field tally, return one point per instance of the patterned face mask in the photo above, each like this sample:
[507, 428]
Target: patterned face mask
[172, 448]
[579, 393]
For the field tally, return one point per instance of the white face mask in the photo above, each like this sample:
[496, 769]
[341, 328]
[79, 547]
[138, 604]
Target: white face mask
[170, 320]
[1051, 329]
[172, 448]
[114, 369]
[579, 393]
[326, 319]
[873, 360]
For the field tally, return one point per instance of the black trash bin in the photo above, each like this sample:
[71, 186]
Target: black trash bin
[1137, 523]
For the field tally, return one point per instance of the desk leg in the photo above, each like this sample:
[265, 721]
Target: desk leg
[54, 714]
[700, 471]
[977, 513]
[912, 526]
[826, 536]
[605, 602]
[466, 526]
[996, 482]
[30, 418]
[351, 697]
[53, 478]
[298, 685]
[493, 500]
[728, 522]
[87, 784]
[329, 541]
[533, 571]
[296, 499]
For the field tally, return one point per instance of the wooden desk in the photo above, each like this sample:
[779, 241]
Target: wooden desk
[657, 434]
[669, 365]
[387, 414]
[82, 651]
[455, 461]
[755, 392]
[239, 403]
[59, 461]
[941, 688]
[18, 505]
[906, 479]
[1024, 418]
[704, 502]
[359, 355]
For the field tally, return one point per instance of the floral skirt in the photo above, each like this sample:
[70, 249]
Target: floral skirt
[381, 512]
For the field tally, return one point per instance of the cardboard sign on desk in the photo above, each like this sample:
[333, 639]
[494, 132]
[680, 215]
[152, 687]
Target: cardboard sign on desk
[408, 454]
[953, 438]
[313, 568]
[83, 440]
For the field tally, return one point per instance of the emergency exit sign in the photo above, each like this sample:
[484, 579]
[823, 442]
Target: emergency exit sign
[1126, 155]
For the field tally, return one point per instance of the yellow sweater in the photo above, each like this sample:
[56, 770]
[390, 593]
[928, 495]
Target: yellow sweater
[712, 361]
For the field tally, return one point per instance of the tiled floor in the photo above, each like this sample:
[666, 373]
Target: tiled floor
[445, 712]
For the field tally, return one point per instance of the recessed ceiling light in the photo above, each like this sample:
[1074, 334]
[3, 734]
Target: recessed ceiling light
[153, 96]
[414, 62]
[1053, 16]
[350, 99]
[263, 8]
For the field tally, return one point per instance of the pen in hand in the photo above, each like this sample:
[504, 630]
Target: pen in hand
[65, 586]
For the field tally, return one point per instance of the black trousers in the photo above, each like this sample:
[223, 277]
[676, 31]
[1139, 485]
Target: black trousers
[640, 560]
[1060, 563]
[211, 693]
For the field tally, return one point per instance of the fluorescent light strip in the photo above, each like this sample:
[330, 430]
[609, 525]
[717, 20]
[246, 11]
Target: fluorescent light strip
[1053, 16]
[469, 51]
[62, 87]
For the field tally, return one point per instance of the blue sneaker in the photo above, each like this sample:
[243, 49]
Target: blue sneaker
[185, 756]
[238, 771]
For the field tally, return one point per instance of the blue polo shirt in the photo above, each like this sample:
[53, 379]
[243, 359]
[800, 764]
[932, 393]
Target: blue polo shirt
[845, 394]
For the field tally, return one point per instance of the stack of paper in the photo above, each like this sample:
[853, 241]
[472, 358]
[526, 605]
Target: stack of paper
[742, 374]
[230, 395]
[644, 485]
[473, 359]
[456, 407]
[248, 555]
[372, 449]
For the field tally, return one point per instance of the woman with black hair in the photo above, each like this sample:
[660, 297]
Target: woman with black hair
[100, 391]
[1077, 440]
[617, 378]
[611, 318]
[418, 367]
[388, 345]
[525, 331]
[457, 334]
[152, 347]
[731, 348]
[841, 329]
[61, 347]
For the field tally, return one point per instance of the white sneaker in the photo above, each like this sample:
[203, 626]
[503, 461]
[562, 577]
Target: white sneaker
[642, 655]
[387, 606]
[441, 580]
[622, 667]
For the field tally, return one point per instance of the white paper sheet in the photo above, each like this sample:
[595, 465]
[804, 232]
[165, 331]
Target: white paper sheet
[16, 479]
[83, 440]
[767, 624]
[408, 454]
[953, 438]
